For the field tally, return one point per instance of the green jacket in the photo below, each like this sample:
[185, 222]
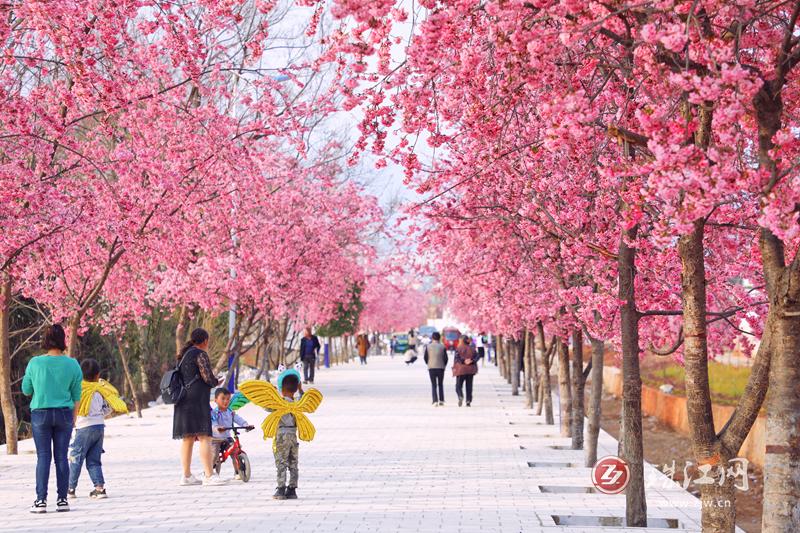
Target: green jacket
[53, 381]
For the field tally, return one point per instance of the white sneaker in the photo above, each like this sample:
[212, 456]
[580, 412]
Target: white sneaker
[39, 507]
[214, 481]
[237, 477]
[191, 480]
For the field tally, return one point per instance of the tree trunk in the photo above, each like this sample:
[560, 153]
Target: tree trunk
[529, 392]
[621, 440]
[519, 352]
[499, 356]
[539, 346]
[782, 459]
[508, 352]
[539, 398]
[128, 378]
[283, 326]
[564, 389]
[595, 401]
[781, 511]
[705, 446]
[181, 330]
[6, 395]
[146, 356]
[513, 353]
[631, 441]
[263, 368]
[72, 334]
[145, 384]
[547, 391]
[115, 253]
[238, 345]
[534, 365]
[230, 346]
[523, 365]
[578, 386]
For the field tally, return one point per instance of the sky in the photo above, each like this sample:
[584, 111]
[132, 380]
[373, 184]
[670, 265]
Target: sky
[387, 184]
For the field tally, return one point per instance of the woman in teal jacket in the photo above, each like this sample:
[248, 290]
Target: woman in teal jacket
[54, 382]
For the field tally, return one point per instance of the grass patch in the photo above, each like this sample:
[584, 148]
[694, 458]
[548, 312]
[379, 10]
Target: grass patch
[727, 382]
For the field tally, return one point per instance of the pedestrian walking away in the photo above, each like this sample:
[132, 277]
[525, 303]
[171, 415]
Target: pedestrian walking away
[309, 351]
[376, 344]
[436, 358]
[480, 343]
[464, 369]
[192, 416]
[412, 342]
[362, 343]
[53, 380]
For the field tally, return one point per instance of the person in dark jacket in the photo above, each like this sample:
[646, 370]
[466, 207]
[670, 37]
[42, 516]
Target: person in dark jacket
[465, 367]
[192, 419]
[436, 359]
[309, 351]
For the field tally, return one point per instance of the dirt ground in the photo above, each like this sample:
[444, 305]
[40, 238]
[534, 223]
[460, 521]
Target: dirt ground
[662, 445]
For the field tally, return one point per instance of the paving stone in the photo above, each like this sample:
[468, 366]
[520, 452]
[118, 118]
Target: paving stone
[383, 460]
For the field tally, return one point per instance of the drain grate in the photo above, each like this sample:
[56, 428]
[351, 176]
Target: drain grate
[559, 489]
[611, 521]
[550, 464]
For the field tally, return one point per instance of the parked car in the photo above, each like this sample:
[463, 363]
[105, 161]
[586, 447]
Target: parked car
[450, 338]
[401, 342]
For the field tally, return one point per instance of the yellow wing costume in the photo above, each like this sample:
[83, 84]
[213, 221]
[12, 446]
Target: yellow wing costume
[264, 394]
[106, 390]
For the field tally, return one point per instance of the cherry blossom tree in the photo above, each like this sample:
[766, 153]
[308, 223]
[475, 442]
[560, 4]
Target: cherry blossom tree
[646, 119]
[149, 151]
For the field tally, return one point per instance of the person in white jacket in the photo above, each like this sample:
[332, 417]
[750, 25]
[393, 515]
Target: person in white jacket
[480, 344]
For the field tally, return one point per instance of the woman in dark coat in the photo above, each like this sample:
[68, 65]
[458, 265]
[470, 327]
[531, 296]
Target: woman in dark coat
[465, 366]
[192, 419]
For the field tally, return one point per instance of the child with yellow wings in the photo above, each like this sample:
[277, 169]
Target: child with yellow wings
[286, 423]
[99, 399]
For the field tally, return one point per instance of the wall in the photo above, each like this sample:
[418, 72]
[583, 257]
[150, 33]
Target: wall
[671, 410]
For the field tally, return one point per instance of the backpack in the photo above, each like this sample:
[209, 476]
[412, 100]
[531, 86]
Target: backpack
[173, 389]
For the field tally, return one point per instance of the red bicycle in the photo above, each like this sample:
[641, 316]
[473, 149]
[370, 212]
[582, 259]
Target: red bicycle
[241, 463]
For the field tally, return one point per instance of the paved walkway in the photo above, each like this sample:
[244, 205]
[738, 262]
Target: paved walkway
[383, 460]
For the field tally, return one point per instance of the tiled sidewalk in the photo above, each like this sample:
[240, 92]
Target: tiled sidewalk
[383, 460]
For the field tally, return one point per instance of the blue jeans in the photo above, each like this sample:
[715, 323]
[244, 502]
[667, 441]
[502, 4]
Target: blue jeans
[51, 427]
[87, 445]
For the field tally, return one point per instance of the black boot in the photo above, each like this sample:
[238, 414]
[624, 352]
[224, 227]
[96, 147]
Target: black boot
[280, 494]
[291, 493]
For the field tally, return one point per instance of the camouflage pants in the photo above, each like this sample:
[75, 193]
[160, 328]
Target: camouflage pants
[286, 448]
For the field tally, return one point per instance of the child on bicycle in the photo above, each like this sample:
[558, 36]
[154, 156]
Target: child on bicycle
[222, 417]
